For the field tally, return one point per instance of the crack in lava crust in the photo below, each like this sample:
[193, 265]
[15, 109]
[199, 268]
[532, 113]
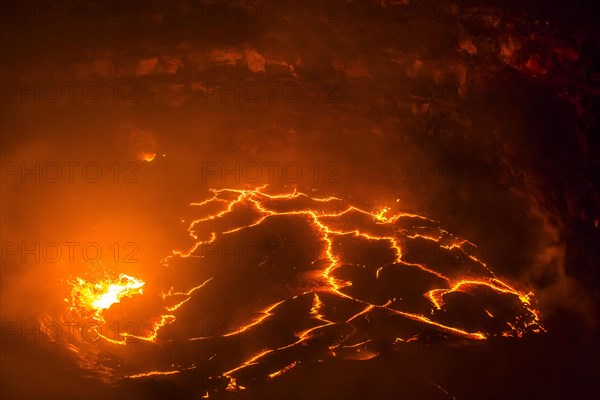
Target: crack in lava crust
[362, 292]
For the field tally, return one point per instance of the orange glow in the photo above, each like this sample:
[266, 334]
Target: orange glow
[154, 373]
[100, 295]
[147, 156]
[283, 370]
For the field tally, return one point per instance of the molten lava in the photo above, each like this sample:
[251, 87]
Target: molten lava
[100, 295]
[338, 297]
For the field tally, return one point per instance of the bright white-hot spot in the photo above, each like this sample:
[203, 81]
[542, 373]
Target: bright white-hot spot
[102, 294]
[126, 287]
